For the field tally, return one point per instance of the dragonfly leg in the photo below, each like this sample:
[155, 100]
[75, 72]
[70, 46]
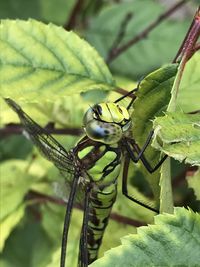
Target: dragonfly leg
[128, 94]
[125, 186]
[147, 165]
[83, 247]
[140, 154]
[67, 219]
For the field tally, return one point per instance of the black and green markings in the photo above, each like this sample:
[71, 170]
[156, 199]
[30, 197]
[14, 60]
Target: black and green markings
[93, 166]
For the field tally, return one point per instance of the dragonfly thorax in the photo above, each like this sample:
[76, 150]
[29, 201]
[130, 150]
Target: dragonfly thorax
[106, 122]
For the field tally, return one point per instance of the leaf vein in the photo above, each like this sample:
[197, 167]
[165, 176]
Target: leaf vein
[46, 47]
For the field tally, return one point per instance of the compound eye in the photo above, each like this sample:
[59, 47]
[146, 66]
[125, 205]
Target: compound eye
[103, 132]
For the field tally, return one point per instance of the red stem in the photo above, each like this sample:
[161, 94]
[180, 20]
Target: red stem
[42, 198]
[188, 48]
[73, 18]
[13, 128]
[146, 31]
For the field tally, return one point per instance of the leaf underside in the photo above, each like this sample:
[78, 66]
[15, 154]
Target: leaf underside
[180, 136]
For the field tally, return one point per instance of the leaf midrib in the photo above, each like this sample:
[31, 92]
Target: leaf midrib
[59, 71]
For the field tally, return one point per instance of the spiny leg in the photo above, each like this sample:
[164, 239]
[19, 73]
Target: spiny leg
[125, 186]
[131, 143]
[139, 151]
[83, 247]
[147, 165]
[67, 219]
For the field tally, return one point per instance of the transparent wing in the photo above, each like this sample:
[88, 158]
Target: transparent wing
[46, 144]
[62, 189]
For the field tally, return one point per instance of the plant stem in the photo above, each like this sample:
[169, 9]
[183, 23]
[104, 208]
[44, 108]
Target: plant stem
[119, 37]
[166, 195]
[116, 52]
[74, 14]
[13, 128]
[43, 198]
[188, 46]
[185, 52]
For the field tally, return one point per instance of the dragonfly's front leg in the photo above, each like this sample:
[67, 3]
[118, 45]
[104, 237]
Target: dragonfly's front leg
[132, 147]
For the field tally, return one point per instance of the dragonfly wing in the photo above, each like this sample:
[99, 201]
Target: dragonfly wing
[47, 145]
[62, 188]
[63, 160]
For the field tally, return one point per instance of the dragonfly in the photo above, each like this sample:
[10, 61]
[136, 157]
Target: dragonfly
[93, 167]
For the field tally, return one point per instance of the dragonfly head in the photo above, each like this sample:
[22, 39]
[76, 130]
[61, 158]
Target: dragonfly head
[106, 122]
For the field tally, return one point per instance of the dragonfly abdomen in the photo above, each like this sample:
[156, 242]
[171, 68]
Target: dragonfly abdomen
[103, 167]
[102, 164]
[101, 202]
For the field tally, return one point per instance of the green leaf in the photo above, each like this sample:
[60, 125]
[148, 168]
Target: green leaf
[180, 134]
[14, 147]
[62, 111]
[55, 222]
[15, 183]
[12, 10]
[52, 221]
[189, 93]
[45, 62]
[4, 263]
[55, 260]
[28, 245]
[153, 97]
[9, 223]
[162, 244]
[56, 11]
[194, 182]
[158, 48]
[17, 178]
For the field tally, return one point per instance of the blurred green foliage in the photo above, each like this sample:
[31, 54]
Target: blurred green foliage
[56, 11]
[32, 226]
